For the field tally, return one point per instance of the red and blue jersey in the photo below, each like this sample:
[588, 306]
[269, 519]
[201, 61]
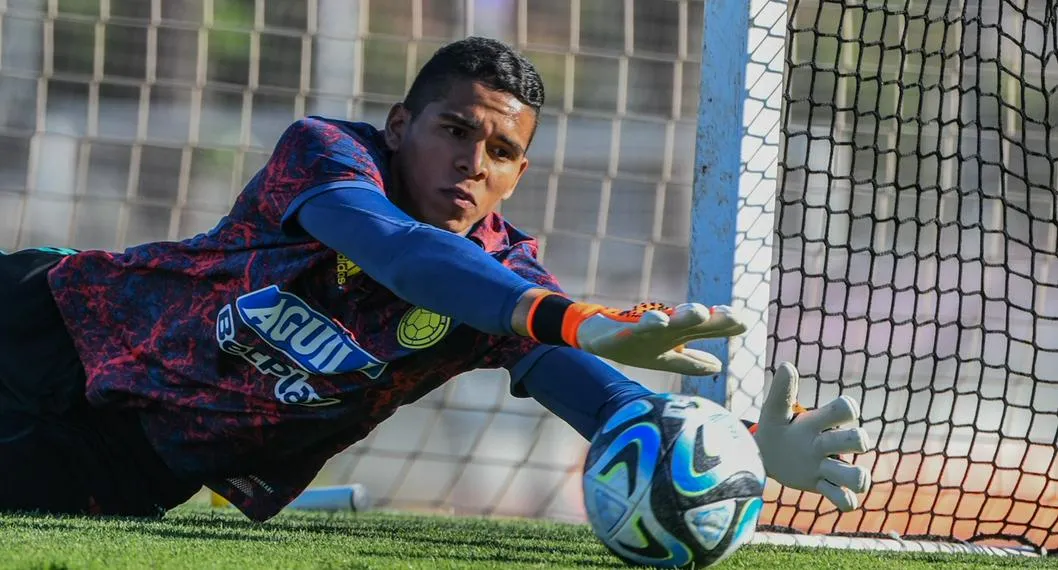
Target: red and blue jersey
[255, 351]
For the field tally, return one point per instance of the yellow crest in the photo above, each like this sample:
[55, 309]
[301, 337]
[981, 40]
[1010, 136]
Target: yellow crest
[420, 328]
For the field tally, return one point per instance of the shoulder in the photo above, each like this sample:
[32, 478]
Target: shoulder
[495, 234]
[330, 148]
[333, 136]
[516, 249]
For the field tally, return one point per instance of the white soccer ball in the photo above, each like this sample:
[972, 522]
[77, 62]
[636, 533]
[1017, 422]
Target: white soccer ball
[673, 481]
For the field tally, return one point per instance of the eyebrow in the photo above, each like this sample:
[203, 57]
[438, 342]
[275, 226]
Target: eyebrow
[475, 125]
[463, 121]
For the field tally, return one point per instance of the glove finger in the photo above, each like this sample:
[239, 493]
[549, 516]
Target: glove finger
[840, 411]
[651, 321]
[720, 321]
[689, 322]
[698, 333]
[856, 478]
[778, 405]
[689, 315]
[690, 362]
[844, 499]
[725, 322]
[838, 441]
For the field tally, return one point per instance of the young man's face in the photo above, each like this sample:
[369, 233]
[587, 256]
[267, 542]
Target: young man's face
[461, 155]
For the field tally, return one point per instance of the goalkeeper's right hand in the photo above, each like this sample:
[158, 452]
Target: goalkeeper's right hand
[801, 448]
[650, 335]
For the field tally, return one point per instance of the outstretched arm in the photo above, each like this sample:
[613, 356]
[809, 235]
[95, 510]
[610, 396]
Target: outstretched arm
[799, 447]
[450, 275]
[424, 265]
[577, 387]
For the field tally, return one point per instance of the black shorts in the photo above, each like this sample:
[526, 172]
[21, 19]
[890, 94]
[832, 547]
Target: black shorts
[58, 454]
[40, 372]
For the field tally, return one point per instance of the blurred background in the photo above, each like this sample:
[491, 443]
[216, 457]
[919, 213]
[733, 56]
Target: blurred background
[128, 120]
[125, 121]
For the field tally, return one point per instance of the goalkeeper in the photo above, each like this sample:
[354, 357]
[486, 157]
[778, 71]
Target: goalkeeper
[357, 271]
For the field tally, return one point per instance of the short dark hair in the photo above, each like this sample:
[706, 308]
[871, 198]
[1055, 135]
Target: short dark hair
[488, 61]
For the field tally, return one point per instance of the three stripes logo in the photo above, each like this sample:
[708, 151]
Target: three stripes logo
[346, 269]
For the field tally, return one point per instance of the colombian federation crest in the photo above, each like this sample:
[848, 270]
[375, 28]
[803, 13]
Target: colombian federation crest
[420, 328]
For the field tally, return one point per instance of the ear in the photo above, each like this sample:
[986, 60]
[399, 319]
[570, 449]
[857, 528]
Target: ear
[521, 171]
[397, 123]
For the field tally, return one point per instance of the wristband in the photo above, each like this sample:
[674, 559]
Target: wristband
[546, 317]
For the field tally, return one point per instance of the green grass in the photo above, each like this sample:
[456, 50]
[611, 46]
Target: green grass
[198, 538]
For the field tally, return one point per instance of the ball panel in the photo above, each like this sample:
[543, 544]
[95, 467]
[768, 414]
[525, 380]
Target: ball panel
[739, 532]
[610, 508]
[644, 540]
[711, 522]
[621, 472]
[630, 460]
[628, 412]
[747, 522]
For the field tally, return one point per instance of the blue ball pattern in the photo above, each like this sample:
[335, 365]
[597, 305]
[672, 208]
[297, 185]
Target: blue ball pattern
[673, 481]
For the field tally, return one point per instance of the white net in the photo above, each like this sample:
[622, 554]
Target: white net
[915, 256]
[754, 234]
[125, 121]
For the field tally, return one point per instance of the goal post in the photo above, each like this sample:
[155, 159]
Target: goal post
[715, 197]
[908, 155]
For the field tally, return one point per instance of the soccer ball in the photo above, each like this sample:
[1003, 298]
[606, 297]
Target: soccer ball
[673, 481]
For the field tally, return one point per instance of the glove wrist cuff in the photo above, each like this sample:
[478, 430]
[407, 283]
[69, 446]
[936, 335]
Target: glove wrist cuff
[546, 318]
[751, 426]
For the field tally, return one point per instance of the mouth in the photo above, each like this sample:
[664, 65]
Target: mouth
[460, 197]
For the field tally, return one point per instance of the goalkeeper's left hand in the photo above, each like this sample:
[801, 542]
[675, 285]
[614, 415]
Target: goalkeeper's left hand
[799, 447]
[649, 335]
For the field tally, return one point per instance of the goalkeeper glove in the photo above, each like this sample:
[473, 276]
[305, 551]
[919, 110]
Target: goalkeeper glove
[650, 335]
[799, 446]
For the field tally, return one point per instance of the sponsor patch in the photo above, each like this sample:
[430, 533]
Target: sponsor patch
[316, 343]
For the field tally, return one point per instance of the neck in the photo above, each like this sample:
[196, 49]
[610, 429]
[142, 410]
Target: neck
[395, 186]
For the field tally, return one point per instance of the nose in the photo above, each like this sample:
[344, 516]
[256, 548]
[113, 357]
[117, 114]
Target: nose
[471, 160]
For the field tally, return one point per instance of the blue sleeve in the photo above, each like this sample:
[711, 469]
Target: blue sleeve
[426, 266]
[576, 386]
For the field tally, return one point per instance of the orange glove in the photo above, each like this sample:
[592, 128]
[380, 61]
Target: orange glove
[650, 335]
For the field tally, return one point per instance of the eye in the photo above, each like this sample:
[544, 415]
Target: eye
[502, 153]
[456, 131]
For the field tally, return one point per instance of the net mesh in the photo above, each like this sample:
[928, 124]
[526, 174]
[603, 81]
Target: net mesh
[915, 264]
[754, 231]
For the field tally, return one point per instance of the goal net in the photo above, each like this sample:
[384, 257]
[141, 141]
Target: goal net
[915, 258]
